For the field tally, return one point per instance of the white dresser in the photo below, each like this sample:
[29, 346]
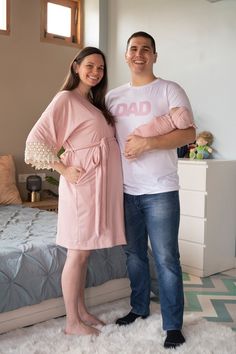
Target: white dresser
[207, 234]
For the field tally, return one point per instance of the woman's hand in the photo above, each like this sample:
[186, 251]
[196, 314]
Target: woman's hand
[72, 174]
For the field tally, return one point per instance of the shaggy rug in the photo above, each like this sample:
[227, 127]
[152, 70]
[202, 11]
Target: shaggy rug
[143, 336]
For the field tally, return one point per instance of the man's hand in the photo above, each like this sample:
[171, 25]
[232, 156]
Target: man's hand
[135, 145]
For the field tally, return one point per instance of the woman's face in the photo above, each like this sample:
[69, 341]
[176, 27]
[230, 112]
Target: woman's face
[91, 70]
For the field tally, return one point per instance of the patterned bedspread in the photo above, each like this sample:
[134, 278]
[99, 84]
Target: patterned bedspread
[31, 263]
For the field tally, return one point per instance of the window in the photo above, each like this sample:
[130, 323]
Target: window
[4, 16]
[61, 22]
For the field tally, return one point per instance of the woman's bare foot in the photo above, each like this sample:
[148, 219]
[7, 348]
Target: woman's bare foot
[81, 329]
[91, 320]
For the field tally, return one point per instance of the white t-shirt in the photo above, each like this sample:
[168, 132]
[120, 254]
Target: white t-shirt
[154, 171]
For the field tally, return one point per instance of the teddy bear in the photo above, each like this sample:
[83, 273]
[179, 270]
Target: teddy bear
[202, 149]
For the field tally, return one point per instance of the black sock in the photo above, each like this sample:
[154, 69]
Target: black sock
[174, 338]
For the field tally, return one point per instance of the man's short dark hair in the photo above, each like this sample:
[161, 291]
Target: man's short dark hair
[145, 35]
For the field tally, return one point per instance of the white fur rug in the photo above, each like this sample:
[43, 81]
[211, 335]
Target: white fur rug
[144, 336]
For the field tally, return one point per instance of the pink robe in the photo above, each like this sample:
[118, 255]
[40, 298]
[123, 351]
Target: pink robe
[90, 214]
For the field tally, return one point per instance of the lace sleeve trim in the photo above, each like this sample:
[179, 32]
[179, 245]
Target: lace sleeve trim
[40, 155]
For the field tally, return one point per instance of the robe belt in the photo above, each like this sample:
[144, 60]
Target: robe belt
[99, 162]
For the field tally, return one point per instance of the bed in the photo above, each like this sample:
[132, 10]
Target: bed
[31, 263]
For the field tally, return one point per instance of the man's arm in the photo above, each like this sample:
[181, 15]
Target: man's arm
[136, 145]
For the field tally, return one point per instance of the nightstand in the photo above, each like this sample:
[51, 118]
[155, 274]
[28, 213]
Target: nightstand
[46, 204]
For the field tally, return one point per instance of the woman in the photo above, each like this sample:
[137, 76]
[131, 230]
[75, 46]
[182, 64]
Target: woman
[90, 214]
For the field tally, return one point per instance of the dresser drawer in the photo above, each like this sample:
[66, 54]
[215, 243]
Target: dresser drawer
[191, 255]
[192, 176]
[192, 229]
[192, 203]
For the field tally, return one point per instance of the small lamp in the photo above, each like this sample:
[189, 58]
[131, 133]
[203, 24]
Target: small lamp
[34, 185]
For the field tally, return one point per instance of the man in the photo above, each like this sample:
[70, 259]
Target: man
[151, 185]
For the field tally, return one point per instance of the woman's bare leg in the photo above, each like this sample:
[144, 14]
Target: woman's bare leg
[72, 278]
[85, 316]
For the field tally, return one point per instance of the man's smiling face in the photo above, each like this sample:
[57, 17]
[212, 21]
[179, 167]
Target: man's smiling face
[140, 55]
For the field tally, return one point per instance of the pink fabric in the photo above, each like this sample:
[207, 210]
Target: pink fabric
[181, 119]
[90, 214]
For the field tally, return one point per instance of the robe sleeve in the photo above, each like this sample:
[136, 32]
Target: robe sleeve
[48, 134]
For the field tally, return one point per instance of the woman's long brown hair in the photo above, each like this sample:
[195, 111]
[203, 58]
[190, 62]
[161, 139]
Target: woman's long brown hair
[98, 92]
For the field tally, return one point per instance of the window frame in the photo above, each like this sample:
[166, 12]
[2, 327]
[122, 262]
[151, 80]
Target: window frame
[76, 38]
[7, 30]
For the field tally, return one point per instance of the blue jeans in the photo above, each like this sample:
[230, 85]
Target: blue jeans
[156, 216]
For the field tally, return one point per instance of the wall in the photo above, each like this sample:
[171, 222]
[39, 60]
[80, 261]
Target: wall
[196, 43]
[95, 26]
[31, 72]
